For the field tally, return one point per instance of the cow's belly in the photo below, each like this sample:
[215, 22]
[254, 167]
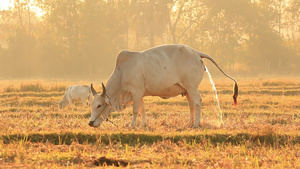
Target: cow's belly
[166, 92]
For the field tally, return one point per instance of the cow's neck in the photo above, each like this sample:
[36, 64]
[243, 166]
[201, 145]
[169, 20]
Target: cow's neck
[112, 91]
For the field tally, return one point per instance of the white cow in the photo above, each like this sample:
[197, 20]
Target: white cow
[165, 71]
[74, 93]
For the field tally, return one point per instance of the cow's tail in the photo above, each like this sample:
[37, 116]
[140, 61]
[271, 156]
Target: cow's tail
[235, 89]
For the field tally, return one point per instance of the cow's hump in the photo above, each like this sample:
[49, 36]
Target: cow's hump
[124, 56]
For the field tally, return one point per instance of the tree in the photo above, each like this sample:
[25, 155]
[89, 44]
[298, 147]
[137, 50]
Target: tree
[184, 17]
[148, 19]
[82, 38]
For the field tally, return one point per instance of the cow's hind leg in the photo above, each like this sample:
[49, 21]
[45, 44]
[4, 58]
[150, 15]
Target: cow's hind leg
[192, 110]
[195, 102]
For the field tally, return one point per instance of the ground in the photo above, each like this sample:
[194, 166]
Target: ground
[262, 131]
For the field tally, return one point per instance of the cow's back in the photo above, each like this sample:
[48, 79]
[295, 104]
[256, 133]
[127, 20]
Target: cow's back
[78, 91]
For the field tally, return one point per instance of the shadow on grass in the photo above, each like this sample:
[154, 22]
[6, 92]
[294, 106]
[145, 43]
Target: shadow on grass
[274, 93]
[270, 139]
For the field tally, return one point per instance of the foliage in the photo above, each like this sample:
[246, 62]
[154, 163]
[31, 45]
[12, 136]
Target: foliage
[81, 39]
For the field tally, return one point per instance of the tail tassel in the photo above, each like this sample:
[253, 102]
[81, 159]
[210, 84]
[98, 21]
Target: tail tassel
[235, 93]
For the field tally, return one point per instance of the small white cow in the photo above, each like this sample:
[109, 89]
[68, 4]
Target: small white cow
[74, 93]
[165, 71]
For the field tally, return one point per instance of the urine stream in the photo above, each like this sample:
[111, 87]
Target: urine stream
[215, 93]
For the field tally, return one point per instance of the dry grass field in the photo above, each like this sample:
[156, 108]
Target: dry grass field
[262, 131]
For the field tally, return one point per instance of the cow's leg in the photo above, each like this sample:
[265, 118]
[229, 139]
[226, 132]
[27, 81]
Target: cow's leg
[83, 101]
[195, 101]
[70, 100]
[142, 109]
[192, 110]
[136, 105]
[197, 110]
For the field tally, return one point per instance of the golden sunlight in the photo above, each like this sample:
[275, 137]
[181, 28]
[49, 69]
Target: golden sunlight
[38, 11]
[5, 4]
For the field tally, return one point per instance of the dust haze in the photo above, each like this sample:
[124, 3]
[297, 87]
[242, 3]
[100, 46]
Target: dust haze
[80, 39]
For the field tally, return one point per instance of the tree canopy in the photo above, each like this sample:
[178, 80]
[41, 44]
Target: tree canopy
[82, 38]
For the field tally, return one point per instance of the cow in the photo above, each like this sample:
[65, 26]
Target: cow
[77, 92]
[165, 71]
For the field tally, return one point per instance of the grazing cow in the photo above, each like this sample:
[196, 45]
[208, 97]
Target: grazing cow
[77, 92]
[165, 71]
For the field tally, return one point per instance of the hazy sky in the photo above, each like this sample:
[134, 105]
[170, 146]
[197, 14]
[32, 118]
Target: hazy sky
[6, 4]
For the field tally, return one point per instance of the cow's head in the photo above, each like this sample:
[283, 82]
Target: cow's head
[63, 103]
[101, 107]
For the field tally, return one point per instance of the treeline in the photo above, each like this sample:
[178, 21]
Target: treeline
[81, 38]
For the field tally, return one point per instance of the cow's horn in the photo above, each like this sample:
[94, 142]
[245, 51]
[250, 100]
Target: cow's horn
[93, 90]
[104, 90]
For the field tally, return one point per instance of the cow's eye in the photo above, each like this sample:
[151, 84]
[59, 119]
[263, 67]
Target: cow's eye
[98, 106]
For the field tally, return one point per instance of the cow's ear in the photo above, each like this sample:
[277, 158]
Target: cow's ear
[93, 90]
[104, 90]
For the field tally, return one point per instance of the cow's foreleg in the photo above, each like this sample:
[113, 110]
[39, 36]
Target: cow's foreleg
[83, 101]
[70, 101]
[136, 105]
[142, 109]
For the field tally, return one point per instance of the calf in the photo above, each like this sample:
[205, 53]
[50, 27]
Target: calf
[77, 92]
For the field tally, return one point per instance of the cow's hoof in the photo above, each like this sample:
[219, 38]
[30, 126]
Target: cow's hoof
[196, 126]
[132, 126]
[191, 125]
[144, 124]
